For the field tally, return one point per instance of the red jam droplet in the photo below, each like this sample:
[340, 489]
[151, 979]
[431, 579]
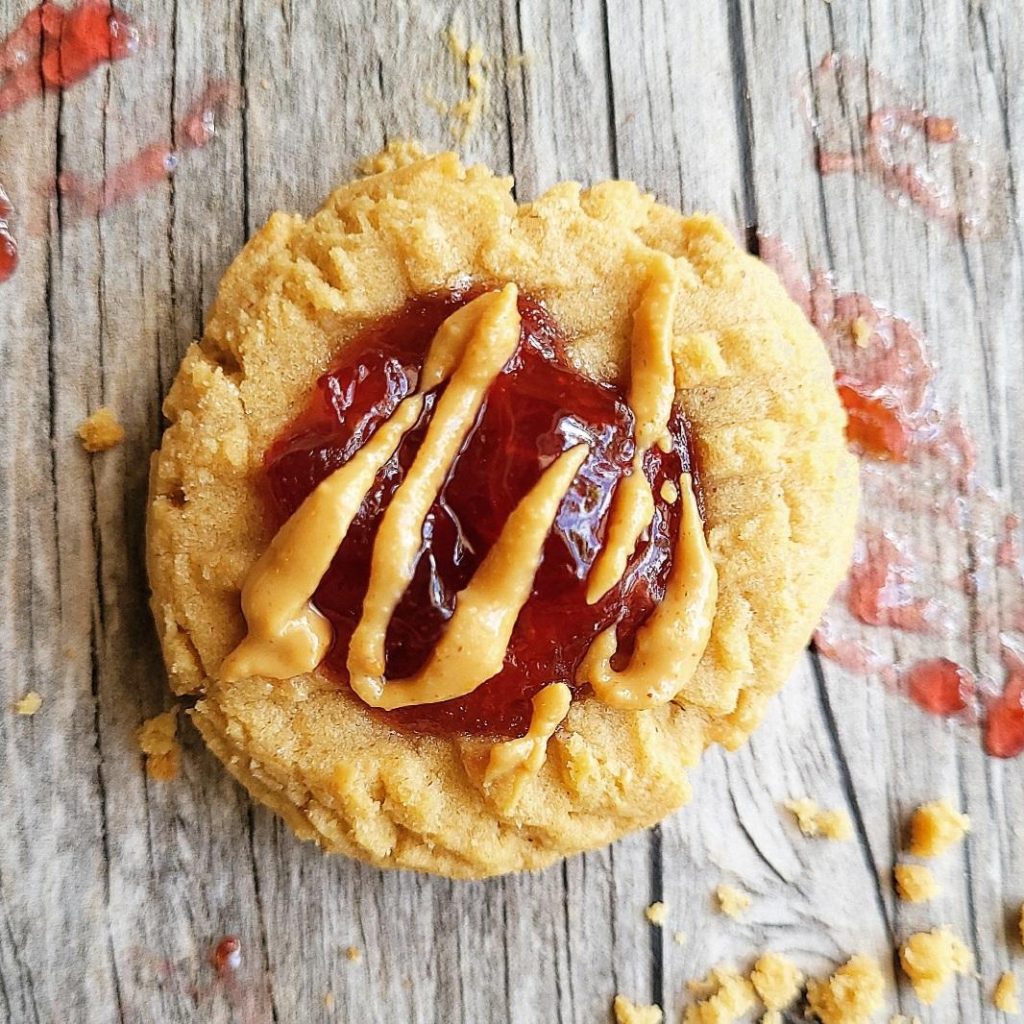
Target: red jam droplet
[227, 955]
[880, 587]
[940, 686]
[54, 47]
[875, 422]
[1004, 718]
[538, 407]
[8, 245]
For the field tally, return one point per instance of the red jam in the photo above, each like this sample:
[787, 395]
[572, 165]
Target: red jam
[1004, 716]
[54, 47]
[227, 955]
[8, 245]
[876, 423]
[538, 407]
[940, 686]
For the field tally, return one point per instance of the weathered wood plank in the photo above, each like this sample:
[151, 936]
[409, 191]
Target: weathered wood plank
[966, 295]
[114, 889]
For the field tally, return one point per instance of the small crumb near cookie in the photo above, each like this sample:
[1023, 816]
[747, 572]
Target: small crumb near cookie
[353, 954]
[329, 1001]
[732, 901]
[29, 704]
[776, 980]
[1004, 998]
[935, 827]
[629, 1013]
[100, 431]
[930, 959]
[157, 738]
[722, 997]
[860, 331]
[915, 883]
[679, 938]
[852, 995]
[397, 153]
[819, 822]
[669, 492]
[656, 913]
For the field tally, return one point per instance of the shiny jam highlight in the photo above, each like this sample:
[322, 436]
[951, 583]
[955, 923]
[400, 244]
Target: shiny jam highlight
[538, 407]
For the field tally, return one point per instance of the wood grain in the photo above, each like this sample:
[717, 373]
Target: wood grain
[114, 889]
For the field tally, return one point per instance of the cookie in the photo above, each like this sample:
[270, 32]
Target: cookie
[431, 631]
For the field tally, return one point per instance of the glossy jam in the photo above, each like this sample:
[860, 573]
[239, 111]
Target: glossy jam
[152, 164]
[54, 47]
[865, 124]
[227, 955]
[940, 686]
[8, 245]
[1004, 715]
[881, 586]
[538, 407]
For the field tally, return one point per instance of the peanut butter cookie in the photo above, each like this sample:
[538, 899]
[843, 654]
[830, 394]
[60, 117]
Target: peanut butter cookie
[476, 522]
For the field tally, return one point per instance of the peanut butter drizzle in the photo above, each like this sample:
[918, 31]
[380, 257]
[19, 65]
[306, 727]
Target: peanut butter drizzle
[651, 391]
[670, 643]
[472, 647]
[522, 758]
[400, 534]
[287, 635]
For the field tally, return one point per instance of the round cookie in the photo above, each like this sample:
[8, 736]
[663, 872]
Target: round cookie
[780, 489]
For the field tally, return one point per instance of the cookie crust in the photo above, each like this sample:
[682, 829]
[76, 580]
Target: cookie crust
[780, 488]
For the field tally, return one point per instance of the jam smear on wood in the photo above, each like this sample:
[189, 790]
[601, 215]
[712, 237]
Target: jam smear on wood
[538, 407]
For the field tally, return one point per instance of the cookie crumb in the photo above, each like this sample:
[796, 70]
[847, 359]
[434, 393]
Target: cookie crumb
[397, 153]
[329, 1000]
[930, 959]
[818, 822]
[354, 954]
[915, 883]
[669, 492]
[723, 996]
[732, 901]
[860, 331]
[852, 995]
[776, 980]
[1004, 998]
[935, 827]
[656, 913]
[679, 938]
[464, 115]
[628, 1013]
[29, 704]
[100, 431]
[157, 740]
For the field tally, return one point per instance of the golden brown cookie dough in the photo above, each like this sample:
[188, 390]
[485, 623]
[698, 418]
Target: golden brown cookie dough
[780, 490]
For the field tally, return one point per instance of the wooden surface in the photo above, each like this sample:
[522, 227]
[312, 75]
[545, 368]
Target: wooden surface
[113, 888]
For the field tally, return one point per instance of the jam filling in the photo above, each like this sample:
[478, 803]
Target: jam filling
[538, 407]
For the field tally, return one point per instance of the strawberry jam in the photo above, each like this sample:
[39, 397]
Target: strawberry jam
[538, 407]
